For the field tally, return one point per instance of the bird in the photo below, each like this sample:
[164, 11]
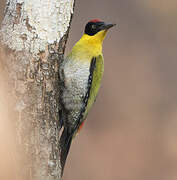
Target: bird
[81, 73]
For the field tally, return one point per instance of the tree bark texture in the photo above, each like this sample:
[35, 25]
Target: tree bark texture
[34, 35]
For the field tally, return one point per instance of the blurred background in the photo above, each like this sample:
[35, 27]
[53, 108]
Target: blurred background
[131, 133]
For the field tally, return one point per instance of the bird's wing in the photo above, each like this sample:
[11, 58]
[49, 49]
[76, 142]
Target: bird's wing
[94, 81]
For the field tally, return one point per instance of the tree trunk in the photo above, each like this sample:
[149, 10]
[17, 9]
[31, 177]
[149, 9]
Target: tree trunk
[34, 35]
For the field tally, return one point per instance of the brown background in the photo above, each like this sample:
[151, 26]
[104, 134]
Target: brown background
[131, 133]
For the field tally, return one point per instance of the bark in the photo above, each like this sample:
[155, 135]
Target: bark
[33, 34]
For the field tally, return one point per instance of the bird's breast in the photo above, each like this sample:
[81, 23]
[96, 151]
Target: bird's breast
[76, 81]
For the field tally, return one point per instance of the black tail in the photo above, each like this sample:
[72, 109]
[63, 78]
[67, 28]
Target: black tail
[65, 143]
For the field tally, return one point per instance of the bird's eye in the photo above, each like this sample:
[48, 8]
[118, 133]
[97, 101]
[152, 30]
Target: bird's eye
[93, 26]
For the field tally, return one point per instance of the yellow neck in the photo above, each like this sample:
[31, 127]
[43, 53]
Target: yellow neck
[89, 46]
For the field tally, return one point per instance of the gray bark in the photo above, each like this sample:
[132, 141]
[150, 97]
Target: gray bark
[34, 34]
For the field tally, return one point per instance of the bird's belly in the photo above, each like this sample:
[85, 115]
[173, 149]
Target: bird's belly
[76, 82]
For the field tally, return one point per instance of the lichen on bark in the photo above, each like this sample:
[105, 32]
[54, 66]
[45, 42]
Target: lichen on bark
[34, 35]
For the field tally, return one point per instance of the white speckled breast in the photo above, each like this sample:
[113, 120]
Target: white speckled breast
[75, 78]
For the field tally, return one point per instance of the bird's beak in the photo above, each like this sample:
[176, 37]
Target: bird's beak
[106, 26]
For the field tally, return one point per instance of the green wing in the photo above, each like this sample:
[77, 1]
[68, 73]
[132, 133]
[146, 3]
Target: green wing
[96, 73]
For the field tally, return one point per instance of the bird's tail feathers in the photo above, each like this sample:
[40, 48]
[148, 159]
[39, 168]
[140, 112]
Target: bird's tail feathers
[65, 143]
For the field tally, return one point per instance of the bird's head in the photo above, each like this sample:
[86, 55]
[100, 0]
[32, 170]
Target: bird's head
[97, 29]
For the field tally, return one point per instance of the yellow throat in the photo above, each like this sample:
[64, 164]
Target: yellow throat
[89, 46]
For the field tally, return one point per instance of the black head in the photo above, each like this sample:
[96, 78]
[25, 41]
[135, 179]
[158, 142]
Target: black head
[95, 25]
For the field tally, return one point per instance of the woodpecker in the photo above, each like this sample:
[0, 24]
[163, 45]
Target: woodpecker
[81, 73]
